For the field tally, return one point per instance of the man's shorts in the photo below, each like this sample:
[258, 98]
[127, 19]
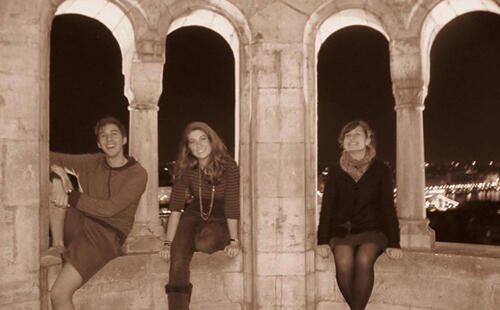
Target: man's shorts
[89, 245]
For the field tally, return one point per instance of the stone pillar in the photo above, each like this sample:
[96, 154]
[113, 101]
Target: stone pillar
[410, 163]
[24, 160]
[146, 86]
[282, 250]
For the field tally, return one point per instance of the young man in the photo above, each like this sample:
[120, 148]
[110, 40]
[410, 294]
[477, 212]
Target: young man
[89, 224]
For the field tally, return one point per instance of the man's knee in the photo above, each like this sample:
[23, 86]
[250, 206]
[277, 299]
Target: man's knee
[60, 297]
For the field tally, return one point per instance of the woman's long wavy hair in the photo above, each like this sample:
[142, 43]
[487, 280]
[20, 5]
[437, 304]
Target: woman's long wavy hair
[186, 160]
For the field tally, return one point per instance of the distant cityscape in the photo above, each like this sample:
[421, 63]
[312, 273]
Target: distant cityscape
[450, 183]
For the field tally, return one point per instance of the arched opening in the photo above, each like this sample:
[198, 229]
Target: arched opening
[86, 82]
[354, 83]
[461, 127]
[198, 85]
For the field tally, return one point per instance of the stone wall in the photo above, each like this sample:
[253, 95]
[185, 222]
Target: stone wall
[451, 277]
[278, 42]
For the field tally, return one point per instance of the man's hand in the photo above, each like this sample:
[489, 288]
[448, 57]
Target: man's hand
[58, 195]
[66, 182]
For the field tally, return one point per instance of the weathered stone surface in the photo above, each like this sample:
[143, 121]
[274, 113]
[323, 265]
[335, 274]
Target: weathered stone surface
[268, 170]
[292, 172]
[281, 221]
[431, 281]
[22, 172]
[7, 236]
[19, 289]
[278, 22]
[278, 65]
[280, 264]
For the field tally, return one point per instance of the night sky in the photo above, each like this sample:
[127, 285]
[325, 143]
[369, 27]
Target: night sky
[86, 82]
[354, 83]
[462, 108]
[460, 119]
[198, 86]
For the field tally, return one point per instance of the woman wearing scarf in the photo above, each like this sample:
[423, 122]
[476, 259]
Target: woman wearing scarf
[358, 219]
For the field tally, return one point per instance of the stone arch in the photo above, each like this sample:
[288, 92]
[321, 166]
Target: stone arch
[346, 18]
[438, 17]
[115, 19]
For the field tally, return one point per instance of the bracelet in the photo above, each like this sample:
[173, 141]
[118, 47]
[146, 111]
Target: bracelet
[167, 243]
[234, 240]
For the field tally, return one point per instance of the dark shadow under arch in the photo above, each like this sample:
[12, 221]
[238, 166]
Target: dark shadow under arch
[86, 82]
[354, 83]
[462, 108]
[198, 85]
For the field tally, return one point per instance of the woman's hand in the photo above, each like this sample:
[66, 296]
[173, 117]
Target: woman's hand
[394, 253]
[323, 251]
[232, 249]
[165, 252]
[58, 196]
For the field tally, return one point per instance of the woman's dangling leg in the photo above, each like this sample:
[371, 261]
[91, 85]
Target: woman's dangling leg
[344, 264]
[364, 275]
[179, 287]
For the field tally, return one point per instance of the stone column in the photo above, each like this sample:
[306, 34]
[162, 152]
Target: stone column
[283, 277]
[410, 164]
[146, 86]
[24, 156]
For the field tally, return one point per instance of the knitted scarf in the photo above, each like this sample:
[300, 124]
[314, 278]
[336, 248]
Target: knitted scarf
[356, 168]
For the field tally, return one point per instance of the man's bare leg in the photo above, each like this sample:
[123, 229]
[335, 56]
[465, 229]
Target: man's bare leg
[67, 282]
[57, 215]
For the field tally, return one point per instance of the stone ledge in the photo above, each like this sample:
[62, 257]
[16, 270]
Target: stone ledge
[136, 281]
[450, 276]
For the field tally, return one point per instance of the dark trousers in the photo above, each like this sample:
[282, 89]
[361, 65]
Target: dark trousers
[193, 234]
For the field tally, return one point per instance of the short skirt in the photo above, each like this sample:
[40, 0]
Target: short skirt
[356, 239]
[89, 245]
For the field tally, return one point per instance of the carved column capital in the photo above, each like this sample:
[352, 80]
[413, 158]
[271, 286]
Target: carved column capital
[151, 47]
[146, 82]
[408, 94]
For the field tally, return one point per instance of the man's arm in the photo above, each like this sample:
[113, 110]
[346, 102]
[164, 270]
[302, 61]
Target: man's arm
[77, 162]
[130, 192]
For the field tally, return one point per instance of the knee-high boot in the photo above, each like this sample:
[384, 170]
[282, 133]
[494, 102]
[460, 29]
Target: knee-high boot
[178, 296]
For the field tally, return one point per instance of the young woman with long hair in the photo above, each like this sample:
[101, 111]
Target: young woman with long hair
[209, 223]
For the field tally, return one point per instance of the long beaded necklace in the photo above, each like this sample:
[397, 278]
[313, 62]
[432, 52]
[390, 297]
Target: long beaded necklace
[206, 215]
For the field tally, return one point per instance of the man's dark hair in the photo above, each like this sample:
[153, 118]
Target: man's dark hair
[109, 120]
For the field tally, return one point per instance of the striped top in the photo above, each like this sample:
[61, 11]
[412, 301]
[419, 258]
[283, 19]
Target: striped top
[226, 197]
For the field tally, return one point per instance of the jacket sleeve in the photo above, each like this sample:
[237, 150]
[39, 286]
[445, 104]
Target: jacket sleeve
[389, 216]
[327, 206]
[129, 193]
[232, 191]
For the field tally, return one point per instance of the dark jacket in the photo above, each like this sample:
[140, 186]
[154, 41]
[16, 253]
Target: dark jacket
[368, 204]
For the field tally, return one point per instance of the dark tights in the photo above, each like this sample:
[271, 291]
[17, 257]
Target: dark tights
[354, 269]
